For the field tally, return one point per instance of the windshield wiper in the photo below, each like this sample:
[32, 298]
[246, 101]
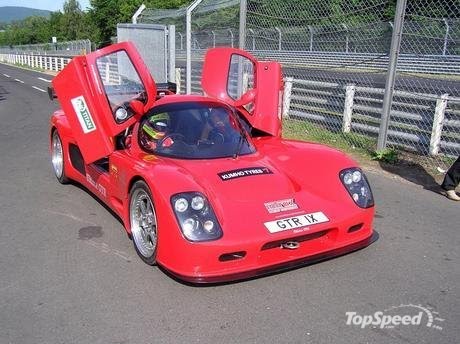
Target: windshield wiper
[242, 138]
[239, 146]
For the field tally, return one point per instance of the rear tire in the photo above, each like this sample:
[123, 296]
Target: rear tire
[58, 158]
[143, 220]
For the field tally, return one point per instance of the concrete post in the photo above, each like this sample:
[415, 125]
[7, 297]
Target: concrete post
[310, 29]
[279, 37]
[446, 37]
[287, 96]
[348, 108]
[181, 41]
[347, 38]
[232, 37]
[213, 38]
[171, 53]
[438, 122]
[253, 39]
[178, 81]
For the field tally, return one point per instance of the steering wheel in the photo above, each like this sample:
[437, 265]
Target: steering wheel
[216, 137]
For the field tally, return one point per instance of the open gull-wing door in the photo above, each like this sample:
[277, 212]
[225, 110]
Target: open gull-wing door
[237, 78]
[95, 92]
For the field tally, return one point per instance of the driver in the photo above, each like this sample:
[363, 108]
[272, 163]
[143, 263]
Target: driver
[154, 130]
[218, 117]
[219, 125]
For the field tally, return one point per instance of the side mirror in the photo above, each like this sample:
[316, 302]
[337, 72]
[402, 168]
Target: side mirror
[246, 98]
[51, 93]
[137, 107]
[121, 114]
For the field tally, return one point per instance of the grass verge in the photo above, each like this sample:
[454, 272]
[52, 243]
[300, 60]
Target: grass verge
[352, 143]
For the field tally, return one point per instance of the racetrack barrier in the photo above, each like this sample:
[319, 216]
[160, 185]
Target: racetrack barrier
[43, 62]
[420, 122]
[425, 123]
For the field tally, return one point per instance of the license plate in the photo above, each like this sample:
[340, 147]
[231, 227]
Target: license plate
[295, 222]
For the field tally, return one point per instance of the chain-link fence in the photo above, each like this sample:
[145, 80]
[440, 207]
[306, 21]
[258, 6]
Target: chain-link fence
[68, 48]
[336, 58]
[428, 116]
[214, 23]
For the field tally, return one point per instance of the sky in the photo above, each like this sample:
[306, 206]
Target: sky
[51, 5]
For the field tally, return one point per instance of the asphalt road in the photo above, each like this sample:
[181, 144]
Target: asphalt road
[69, 274]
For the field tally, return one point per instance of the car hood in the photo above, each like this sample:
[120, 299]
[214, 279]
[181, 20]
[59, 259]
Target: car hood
[253, 189]
[246, 179]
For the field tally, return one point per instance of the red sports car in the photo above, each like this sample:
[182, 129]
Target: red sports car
[205, 185]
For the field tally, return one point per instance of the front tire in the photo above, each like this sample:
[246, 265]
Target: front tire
[58, 158]
[143, 222]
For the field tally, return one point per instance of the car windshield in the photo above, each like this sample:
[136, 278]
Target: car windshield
[194, 130]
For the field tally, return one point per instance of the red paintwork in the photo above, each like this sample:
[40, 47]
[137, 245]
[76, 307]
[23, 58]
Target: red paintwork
[307, 172]
[79, 78]
[266, 113]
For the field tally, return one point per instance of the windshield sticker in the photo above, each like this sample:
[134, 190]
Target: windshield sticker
[244, 172]
[282, 205]
[83, 114]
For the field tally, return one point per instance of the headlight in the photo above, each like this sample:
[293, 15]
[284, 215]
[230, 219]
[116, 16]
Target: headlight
[181, 205]
[357, 186]
[195, 216]
[198, 202]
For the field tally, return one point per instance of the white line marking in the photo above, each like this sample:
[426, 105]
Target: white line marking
[105, 248]
[19, 81]
[37, 88]
[73, 217]
[7, 75]
[44, 79]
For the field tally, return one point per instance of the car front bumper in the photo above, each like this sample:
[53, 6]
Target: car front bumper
[248, 272]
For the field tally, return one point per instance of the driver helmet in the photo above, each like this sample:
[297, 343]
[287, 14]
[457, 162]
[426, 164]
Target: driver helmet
[156, 127]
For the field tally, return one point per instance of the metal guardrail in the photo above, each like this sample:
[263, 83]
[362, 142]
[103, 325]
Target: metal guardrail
[425, 123]
[420, 122]
[48, 62]
[68, 48]
[429, 64]
[108, 70]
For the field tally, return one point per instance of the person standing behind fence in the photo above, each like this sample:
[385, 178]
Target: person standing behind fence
[451, 181]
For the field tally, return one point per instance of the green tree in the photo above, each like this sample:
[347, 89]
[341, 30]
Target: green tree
[106, 14]
[72, 20]
[55, 26]
[97, 24]
[28, 31]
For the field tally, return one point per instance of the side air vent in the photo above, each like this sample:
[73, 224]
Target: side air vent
[355, 228]
[232, 256]
[77, 159]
